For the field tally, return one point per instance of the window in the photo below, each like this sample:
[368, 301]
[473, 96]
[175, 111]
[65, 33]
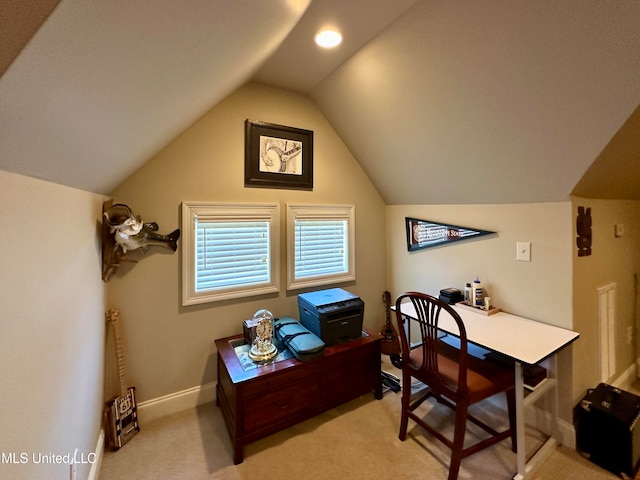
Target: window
[320, 245]
[229, 251]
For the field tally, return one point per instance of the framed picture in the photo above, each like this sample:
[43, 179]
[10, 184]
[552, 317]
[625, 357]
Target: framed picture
[277, 156]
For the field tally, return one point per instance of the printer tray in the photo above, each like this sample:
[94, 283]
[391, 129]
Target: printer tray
[302, 343]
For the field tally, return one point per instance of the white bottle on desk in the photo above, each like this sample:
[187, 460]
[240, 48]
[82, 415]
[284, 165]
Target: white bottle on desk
[478, 293]
[468, 294]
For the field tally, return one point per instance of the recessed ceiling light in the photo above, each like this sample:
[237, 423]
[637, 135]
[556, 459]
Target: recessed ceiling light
[328, 38]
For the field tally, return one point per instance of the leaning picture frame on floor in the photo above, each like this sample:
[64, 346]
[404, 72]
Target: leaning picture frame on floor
[278, 156]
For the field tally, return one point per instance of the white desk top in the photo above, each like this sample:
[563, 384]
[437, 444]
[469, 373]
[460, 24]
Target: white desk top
[526, 341]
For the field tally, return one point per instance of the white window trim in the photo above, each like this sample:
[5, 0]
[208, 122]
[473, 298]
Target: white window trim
[227, 212]
[320, 212]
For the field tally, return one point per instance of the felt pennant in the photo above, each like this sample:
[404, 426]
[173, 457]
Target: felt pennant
[425, 233]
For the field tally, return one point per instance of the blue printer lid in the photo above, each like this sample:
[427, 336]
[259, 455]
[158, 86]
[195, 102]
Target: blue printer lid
[327, 297]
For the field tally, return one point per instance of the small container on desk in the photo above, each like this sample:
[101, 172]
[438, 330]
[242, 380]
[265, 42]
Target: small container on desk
[492, 310]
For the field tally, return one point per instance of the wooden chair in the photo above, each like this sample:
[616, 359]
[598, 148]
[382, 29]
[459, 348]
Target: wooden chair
[454, 378]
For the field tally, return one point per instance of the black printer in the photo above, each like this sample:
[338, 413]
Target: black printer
[334, 315]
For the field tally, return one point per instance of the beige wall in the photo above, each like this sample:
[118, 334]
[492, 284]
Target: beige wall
[540, 289]
[613, 260]
[169, 347]
[52, 325]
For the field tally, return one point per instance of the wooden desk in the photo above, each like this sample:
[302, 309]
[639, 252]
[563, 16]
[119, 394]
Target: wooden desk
[526, 342]
[261, 401]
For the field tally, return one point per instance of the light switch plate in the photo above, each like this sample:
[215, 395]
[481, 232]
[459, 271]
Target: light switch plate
[523, 251]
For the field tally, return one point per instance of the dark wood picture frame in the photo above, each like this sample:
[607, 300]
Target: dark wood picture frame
[277, 156]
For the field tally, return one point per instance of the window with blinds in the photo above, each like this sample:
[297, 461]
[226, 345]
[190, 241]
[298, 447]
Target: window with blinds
[230, 254]
[229, 251]
[321, 240]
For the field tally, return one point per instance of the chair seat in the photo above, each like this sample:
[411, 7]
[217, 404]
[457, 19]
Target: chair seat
[484, 377]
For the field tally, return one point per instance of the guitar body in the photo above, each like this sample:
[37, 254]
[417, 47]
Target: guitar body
[122, 411]
[122, 419]
[390, 344]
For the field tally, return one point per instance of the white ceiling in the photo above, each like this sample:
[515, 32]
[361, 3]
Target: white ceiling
[484, 101]
[104, 85]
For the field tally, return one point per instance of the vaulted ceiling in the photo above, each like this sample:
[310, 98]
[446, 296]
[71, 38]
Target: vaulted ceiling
[460, 101]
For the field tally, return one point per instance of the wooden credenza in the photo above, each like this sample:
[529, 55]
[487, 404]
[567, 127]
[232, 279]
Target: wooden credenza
[261, 401]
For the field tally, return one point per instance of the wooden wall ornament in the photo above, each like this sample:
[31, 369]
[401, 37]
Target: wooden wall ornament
[425, 233]
[583, 229]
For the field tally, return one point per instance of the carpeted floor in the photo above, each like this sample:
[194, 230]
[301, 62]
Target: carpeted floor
[358, 440]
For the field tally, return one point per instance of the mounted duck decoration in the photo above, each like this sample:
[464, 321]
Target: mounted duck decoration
[123, 231]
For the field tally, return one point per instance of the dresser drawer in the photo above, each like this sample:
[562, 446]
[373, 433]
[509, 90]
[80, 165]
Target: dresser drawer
[350, 380]
[278, 380]
[280, 403]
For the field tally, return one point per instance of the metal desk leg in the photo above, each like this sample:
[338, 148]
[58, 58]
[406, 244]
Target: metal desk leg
[520, 426]
[552, 372]
[527, 468]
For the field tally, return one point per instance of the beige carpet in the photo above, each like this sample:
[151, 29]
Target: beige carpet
[358, 440]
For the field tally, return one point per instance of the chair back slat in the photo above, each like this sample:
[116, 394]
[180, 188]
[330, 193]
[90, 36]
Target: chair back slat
[428, 310]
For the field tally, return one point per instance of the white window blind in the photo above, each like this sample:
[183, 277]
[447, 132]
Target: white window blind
[321, 247]
[321, 241]
[231, 254]
[229, 251]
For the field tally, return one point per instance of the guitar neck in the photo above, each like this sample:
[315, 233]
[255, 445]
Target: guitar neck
[387, 306]
[114, 317]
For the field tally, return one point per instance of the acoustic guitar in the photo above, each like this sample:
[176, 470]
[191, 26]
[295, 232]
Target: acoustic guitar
[390, 344]
[122, 411]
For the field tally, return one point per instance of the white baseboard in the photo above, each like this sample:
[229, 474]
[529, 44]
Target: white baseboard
[541, 420]
[94, 473]
[175, 402]
[567, 433]
[626, 378]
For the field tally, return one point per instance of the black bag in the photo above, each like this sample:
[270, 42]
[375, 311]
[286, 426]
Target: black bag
[291, 334]
[607, 429]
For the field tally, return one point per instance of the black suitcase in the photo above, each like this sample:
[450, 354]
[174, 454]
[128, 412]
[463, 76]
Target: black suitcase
[607, 430]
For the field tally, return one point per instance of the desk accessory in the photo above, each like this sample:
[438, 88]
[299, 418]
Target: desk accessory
[451, 296]
[478, 293]
[492, 310]
[468, 293]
